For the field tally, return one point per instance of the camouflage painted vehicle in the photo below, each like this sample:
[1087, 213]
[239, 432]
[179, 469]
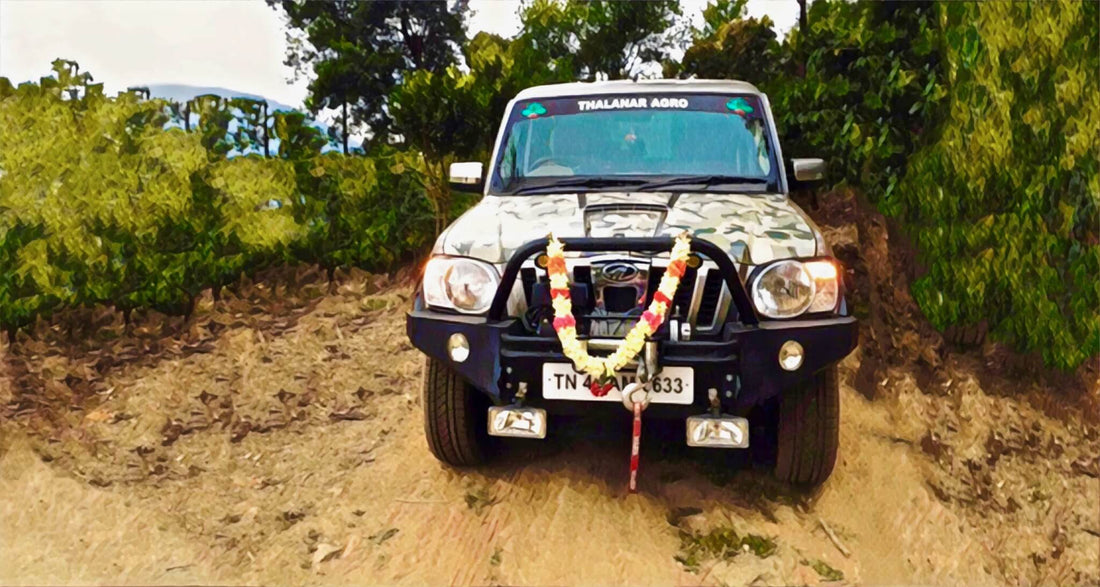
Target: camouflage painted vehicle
[616, 170]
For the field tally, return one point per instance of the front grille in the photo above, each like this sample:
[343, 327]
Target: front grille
[528, 277]
[620, 306]
[681, 302]
[708, 301]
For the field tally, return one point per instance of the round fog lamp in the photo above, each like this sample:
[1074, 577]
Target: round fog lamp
[790, 355]
[459, 348]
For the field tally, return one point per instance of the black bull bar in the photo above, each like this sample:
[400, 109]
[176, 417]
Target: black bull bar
[742, 364]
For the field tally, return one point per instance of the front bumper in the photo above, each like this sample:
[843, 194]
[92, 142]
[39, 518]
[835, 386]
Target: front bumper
[740, 362]
[743, 366]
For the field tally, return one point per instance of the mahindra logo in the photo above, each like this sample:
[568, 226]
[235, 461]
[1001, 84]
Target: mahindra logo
[619, 272]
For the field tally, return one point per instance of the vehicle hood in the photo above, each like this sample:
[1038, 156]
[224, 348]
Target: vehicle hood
[752, 228]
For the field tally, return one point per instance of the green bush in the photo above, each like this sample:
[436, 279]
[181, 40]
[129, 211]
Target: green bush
[863, 87]
[976, 125]
[367, 212]
[100, 203]
[1004, 204]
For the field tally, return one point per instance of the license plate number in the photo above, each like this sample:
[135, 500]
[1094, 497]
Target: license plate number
[672, 385]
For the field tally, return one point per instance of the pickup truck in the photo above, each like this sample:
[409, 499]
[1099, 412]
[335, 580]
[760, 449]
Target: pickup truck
[635, 246]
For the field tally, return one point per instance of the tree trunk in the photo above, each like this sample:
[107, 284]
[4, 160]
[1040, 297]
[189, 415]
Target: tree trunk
[267, 139]
[414, 45]
[802, 16]
[345, 126]
[189, 309]
[330, 275]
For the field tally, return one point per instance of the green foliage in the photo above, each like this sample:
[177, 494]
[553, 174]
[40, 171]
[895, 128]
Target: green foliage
[1004, 204]
[600, 38]
[365, 212]
[859, 88]
[975, 125]
[297, 139]
[730, 47]
[357, 52]
[718, 13]
[825, 571]
[722, 543]
[502, 68]
[441, 115]
[863, 87]
[101, 204]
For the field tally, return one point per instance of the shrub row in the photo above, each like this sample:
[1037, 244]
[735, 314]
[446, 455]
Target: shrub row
[101, 202]
[1004, 204]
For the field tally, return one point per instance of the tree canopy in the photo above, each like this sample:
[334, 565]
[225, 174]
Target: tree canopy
[358, 52]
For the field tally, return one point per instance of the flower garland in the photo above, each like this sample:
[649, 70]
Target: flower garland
[602, 369]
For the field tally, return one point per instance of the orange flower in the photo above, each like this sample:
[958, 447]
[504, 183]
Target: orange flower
[555, 265]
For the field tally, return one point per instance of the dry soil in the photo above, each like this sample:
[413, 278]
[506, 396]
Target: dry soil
[277, 439]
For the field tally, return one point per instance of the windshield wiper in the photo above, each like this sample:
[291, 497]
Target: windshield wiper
[702, 181]
[578, 182]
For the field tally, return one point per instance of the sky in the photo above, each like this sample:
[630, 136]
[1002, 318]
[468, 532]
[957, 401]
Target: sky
[235, 44]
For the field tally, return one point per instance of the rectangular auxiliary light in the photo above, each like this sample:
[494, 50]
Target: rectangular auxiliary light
[718, 432]
[517, 422]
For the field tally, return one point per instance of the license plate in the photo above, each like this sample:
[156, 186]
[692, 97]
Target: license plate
[672, 385]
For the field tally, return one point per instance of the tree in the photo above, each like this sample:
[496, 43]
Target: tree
[359, 51]
[597, 39]
[718, 13]
[440, 115]
[729, 46]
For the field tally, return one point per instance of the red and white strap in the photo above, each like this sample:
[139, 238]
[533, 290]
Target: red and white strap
[635, 445]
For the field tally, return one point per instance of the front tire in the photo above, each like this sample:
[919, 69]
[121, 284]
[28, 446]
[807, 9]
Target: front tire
[455, 416]
[809, 430]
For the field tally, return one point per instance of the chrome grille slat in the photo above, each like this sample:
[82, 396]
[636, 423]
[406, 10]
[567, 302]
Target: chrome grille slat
[697, 294]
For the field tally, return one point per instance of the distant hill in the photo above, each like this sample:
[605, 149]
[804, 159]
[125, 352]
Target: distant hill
[183, 92]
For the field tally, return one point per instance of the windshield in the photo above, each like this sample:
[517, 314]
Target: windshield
[636, 142]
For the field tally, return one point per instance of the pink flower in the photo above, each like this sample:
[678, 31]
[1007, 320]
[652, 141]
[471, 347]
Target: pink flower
[564, 322]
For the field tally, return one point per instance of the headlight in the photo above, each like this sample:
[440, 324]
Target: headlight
[826, 286]
[783, 290]
[790, 288]
[466, 285]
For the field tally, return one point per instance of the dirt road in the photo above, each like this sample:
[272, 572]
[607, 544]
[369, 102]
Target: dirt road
[285, 446]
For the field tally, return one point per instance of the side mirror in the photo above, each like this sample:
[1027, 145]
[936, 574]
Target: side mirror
[807, 170]
[467, 177]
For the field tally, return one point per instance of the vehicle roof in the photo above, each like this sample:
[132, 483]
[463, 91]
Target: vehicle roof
[633, 87]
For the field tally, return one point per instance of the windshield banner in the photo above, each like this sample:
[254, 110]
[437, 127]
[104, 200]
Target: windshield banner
[745, 106]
